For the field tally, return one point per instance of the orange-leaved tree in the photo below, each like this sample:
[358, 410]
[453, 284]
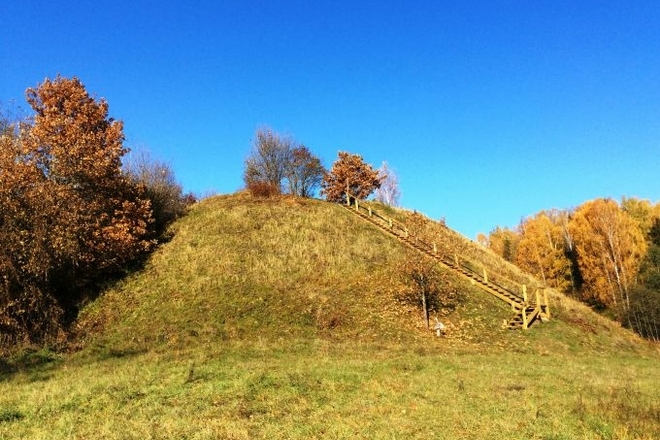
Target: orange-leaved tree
[349, 172]
[79, 149]
[68, 215]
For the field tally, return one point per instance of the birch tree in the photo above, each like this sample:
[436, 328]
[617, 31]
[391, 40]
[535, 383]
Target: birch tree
[388, 193]
[610, 248]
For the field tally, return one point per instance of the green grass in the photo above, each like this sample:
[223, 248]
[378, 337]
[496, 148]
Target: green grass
[321, 389]
[278, 319]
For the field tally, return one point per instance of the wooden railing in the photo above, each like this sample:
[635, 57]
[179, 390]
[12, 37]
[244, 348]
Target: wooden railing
[515, 293]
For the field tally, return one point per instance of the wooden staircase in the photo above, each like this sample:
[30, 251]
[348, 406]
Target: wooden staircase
[527, 311]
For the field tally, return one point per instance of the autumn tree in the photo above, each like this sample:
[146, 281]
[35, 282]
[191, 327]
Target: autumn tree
[610, 248]
[643, 315]
[388, 193]
[425, 286]
[68, 213]
[78, 147]
[504, 242]
[304, 172]
[26, 310]
[643, 212]
[541, 249]
[349, 172]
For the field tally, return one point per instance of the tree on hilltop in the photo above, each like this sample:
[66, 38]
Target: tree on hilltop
[388, 193]
[266, 166]
[277, 163]
[304, 173]
[350, 172]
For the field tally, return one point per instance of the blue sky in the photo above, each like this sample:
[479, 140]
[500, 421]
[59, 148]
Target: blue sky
[489, 111]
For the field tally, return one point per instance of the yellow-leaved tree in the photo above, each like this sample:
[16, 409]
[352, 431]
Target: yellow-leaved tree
[610, 247]
[504, 242]
[541, 249]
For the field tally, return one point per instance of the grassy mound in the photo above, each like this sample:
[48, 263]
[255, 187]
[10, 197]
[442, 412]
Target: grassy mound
[246, 269]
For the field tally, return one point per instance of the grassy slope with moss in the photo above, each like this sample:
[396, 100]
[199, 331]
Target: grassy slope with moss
[277, 319]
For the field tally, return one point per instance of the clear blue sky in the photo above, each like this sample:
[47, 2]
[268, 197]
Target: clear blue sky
[489, 111]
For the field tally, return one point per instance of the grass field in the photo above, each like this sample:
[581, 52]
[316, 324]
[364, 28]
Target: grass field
[277, 319]
[321, 389]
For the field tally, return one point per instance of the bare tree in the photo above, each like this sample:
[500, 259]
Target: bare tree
[160, 187]
[389, 192]
[304, 173]
[267, 164]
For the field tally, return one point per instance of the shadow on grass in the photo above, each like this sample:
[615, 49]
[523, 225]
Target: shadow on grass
[106, 353]
[36, 363]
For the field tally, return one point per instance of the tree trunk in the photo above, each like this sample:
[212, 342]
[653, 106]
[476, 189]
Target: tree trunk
[426, 309]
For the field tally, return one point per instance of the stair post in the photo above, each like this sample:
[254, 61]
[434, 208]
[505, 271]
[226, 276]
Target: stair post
[524, 306]
[538, 307]
[547, 304]
[485, 275]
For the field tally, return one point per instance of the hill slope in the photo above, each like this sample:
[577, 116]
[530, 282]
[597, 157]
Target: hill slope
[241, 268]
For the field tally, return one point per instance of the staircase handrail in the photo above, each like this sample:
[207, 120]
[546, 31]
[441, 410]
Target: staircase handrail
[458, 261]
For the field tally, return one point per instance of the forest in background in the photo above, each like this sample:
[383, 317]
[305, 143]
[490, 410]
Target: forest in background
[604, 253]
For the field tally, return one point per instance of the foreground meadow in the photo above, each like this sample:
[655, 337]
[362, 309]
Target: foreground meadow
[320, 389]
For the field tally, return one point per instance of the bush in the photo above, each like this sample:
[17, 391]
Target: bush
[158, 185]
[259, 188]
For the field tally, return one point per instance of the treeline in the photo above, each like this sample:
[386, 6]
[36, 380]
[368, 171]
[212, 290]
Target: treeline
[71, 217]
[277, 164]
[605, 253]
